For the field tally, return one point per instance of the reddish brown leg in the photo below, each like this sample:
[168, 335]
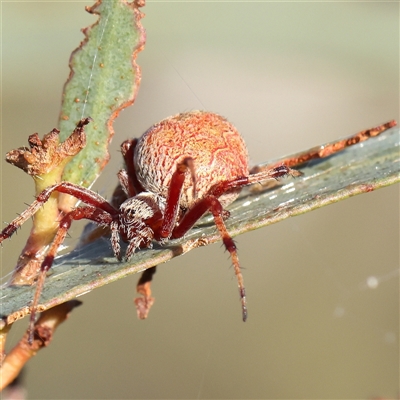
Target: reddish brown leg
[85, 195]
[133, 186]
[144, 303]
[230, 245]
[174, 194]
[87, 212]
[202, 206]
[270, 173]
[332, 148]
[212, 204]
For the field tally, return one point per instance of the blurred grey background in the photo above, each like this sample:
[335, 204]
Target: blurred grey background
[289, 76]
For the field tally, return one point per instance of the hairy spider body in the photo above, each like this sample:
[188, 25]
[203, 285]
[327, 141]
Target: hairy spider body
[180, 168]
[215, 146]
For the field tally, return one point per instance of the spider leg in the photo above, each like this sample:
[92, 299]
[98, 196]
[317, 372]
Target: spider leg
[174, 194]
[125, 183]
[143, 287]
[129, 181]
[144, 303]
[87, 212]
[211, 203]
[276, 172]
[333, 147]
[129, 186]
[115, 239]
[81, 193]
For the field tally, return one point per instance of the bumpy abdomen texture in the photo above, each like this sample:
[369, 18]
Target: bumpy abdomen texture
[218, 151]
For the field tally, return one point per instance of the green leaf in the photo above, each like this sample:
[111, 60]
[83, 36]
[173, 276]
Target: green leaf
[359, 169]
[104, 79]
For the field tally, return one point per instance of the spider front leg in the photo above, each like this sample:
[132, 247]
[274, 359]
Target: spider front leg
[81, 193]
[143, 287]
[87, 212]
[98, 210]
[212, 204]
[174, 195]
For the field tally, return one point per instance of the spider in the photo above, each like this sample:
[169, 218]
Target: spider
[178, 170]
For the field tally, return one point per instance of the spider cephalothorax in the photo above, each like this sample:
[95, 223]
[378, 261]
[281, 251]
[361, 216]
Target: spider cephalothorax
[138, 219]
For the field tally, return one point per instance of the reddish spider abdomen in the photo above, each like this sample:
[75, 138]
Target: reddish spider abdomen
[216, 147]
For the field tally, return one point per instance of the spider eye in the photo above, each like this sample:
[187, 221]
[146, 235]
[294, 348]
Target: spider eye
[130, 212]
[137, 208]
